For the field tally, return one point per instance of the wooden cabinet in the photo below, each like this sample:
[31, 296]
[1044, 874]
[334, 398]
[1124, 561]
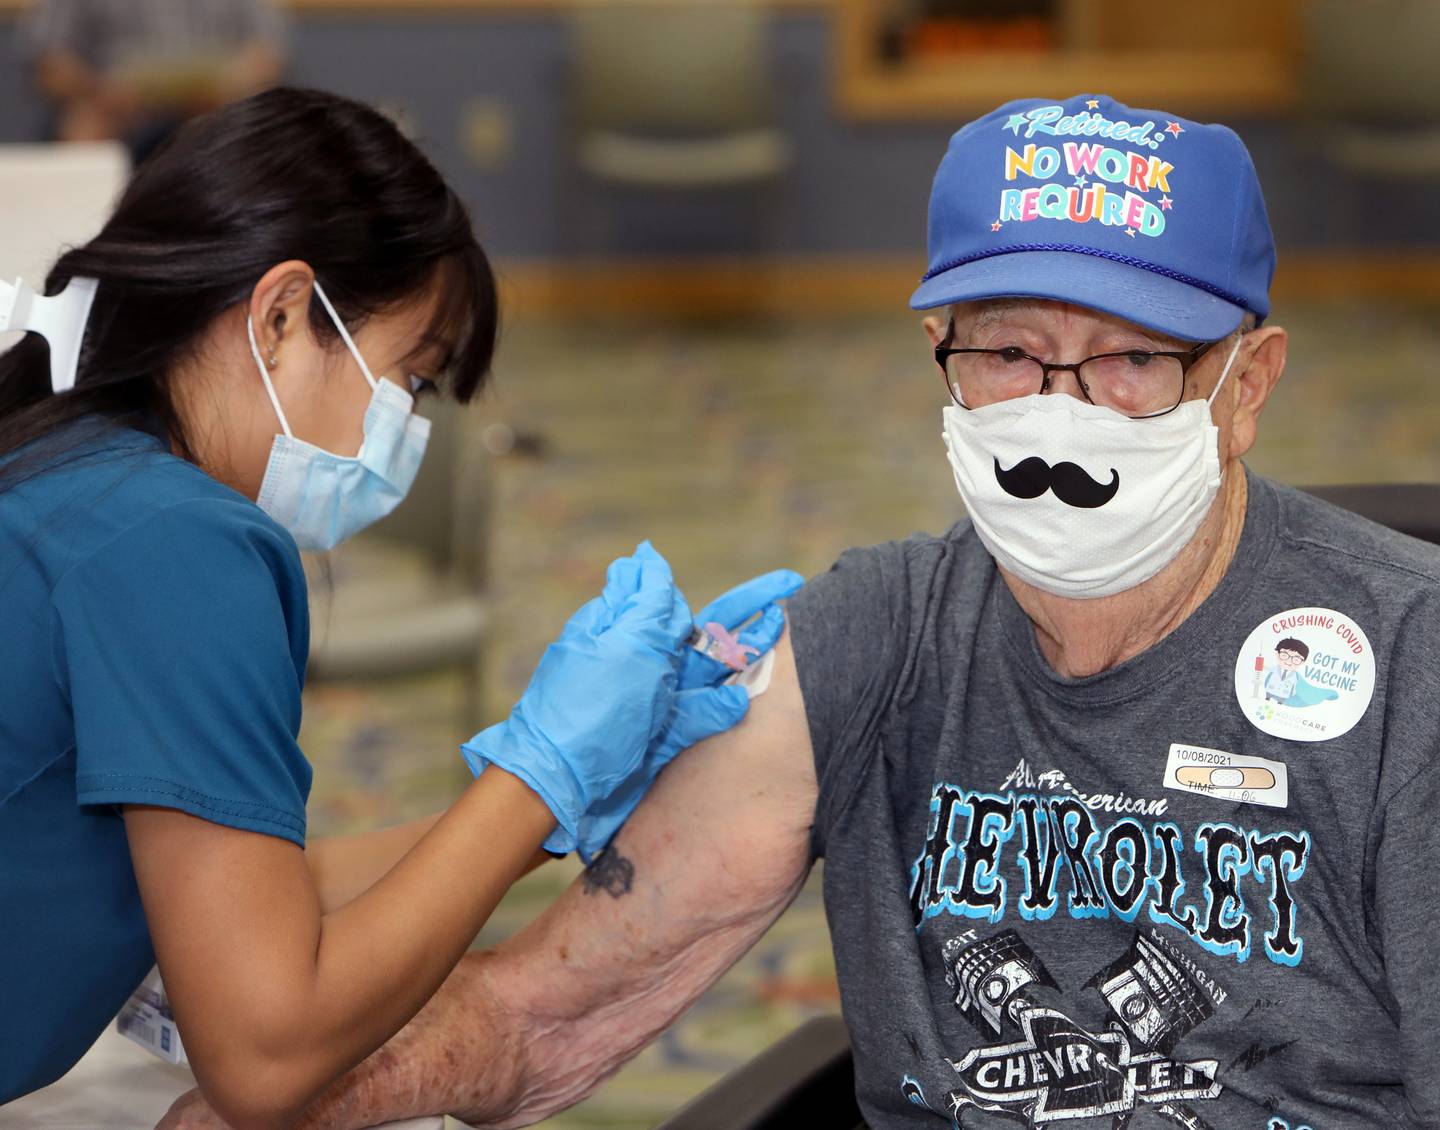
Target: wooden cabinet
[945, 58]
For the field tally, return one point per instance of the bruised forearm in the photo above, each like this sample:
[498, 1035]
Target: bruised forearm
[512, 1036]
[533, 1026]
[521, 1032]
[458, 1054]
[475, 1053]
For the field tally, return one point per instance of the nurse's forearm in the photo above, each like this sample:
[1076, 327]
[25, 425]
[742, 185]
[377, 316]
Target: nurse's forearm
[345, 867]
[277, 1000]
[373, 969]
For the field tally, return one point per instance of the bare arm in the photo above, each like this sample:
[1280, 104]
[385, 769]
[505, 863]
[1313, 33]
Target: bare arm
[717, 850]
[344, 867]
[277, 998]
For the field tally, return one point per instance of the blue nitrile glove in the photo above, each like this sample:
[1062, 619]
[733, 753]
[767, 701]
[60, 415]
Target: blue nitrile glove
[699, 714]
[758, 594]
[599, 697]
[702, 709]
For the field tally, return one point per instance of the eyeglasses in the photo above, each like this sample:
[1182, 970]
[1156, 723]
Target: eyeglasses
[1137, 383]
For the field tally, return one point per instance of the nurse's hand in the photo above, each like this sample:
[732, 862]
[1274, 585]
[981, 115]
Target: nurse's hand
[730, 611]
[702, 709]
[599, 698]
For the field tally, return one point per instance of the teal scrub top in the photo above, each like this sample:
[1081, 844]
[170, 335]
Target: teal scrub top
[155, 629]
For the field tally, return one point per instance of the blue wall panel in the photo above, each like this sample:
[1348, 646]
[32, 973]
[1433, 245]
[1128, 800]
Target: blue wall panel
[853, 187]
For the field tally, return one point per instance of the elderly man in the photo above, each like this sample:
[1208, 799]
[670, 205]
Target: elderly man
[1078, 866]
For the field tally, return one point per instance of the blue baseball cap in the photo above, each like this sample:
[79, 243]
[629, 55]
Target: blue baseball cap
[1145, 215]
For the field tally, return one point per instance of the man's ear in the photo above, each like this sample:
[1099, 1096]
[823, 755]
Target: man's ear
[1260, 365]
[936, 326]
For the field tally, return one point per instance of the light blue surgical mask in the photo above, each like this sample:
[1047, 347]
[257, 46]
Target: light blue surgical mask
[323, 498]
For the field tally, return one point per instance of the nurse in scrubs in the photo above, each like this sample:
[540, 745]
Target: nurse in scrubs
[272, 293]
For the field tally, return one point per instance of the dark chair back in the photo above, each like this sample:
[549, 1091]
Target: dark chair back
[806, 1079]
[1411, 508]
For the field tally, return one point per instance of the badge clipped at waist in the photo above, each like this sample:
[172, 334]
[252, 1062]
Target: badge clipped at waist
[147, 1019]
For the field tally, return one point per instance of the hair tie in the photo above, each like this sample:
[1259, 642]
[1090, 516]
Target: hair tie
[60, 319]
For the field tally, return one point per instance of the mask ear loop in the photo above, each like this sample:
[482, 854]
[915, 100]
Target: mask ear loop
[265, 376]
[1210, 400]
[345, 336]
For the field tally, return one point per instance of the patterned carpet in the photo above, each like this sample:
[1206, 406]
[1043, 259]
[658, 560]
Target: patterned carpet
[738, 448]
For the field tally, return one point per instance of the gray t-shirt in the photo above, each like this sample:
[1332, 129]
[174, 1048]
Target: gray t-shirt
[1041, 916]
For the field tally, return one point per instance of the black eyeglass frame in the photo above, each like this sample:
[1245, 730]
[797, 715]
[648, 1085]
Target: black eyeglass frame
[1186, 357]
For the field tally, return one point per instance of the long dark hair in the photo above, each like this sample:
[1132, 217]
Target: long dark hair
[287, 174]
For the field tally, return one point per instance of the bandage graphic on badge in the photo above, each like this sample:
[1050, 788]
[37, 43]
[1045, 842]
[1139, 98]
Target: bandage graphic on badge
[1223, 777]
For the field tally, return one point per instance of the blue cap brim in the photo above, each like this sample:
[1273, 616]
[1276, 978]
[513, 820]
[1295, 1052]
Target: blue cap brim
[1146, 298]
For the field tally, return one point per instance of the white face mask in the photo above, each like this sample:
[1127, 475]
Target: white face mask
[322, 498]
[1096, 502]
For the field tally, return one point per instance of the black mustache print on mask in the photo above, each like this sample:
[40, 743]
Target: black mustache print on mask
[1032, 477]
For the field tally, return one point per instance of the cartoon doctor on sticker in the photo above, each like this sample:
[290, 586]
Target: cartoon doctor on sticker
[1286, 685]
[1280, 683]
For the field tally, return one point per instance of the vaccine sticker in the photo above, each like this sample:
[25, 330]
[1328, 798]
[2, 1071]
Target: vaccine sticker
[1229, 776]
[1307, 674]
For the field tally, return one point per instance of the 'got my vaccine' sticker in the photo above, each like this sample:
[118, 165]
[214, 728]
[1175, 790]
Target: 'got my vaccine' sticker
[1306, 674]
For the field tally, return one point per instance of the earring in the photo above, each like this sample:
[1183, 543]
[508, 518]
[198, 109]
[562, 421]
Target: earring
[272, 360]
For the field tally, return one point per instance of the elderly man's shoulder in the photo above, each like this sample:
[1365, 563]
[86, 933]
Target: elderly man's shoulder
[920, 551]
[887, 592]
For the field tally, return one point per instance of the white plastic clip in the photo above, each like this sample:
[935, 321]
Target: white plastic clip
[60, 319]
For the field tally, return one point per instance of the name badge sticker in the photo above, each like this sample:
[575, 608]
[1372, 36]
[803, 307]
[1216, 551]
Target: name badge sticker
[1229, 776]
[1306, 674]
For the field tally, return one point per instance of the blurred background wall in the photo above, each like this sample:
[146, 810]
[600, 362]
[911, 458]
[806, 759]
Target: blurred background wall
[489, 86]
[708, 216]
